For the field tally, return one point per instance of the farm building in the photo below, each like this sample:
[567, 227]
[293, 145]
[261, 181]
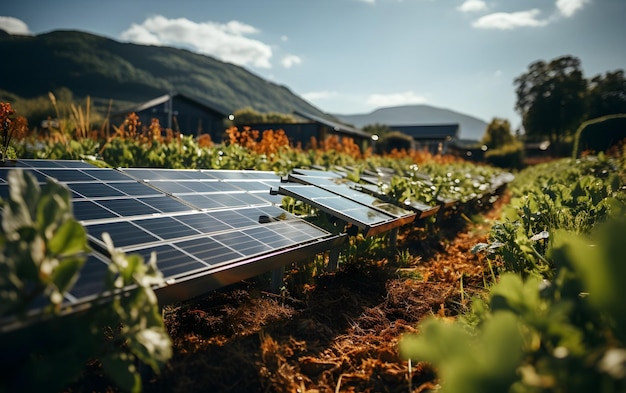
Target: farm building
[326, 128]
[315, 126]
[180, 113]
[434, 137]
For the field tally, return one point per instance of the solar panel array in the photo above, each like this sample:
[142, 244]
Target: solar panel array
[334, 195]
[358, 191]
[207, 227]
[210, 228]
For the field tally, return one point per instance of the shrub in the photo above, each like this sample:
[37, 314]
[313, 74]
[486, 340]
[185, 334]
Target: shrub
[509, 156]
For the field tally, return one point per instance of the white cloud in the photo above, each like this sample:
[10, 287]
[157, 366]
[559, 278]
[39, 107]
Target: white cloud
[319, 95]
[368, 1]
[227, 42]
[14, 26]
[395, 99]
[290, 61]
[510, 20]
[472, 6]
[568, 8]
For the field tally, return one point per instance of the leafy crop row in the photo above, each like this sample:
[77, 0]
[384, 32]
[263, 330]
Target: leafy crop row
[43, 247]
[554, 321]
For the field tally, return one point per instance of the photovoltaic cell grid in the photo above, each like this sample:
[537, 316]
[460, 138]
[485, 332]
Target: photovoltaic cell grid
[345, 190]
[188, 239]
[370, 220]
[212, 189]
[324, 179]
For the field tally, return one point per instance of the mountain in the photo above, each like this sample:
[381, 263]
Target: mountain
[105, 69]
[470, 127]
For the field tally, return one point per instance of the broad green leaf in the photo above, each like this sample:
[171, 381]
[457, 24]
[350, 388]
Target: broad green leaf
[120, 367]
[67, 272]
[70, 238]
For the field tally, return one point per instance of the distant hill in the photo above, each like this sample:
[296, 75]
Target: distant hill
[471, 127]
[104, 69]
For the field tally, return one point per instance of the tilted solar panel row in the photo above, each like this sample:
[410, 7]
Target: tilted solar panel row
[206, 227]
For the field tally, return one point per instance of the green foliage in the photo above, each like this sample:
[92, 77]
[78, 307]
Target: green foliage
[498, 134]
[394, 140]
[574, 195]
[509, 156]
[42, 245]
[504, 150]
[129, 74]
[550, 98]
[607, 94]
[483, 362]
[536, 335]
[555, 316]
[248, 116]
[43, 249]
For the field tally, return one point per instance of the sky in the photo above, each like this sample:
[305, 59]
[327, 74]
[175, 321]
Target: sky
[354, 56]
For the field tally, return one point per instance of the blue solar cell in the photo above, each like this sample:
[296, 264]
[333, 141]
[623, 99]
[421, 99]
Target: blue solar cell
[297, 231]
[250, 185]
[128, 207]
[270, 237]
[134, 189]
[171, 261]
[94, 190]
[201, 201]
[67, 175]
[87, 210]
[204, 223]
[208, 250]
[171, 187]
[91, 279]
[122, 233]
[165, 204]
[4, 173]
[166, 227]
[242, 242]
[234, 218]
[105, 174]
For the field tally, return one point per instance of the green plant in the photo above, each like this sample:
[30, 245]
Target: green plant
[45, 343]
[556, 315]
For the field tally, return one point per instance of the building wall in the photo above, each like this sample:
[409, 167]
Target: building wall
[298, 133]
[188, 118]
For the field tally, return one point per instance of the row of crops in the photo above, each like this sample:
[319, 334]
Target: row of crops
[551, 321]
[554, 320]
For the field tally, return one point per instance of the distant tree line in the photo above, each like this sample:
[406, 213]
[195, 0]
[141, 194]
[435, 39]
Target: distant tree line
[554, 98]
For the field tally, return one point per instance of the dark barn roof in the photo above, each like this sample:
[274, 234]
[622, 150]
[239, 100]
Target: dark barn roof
[336, 126]
[429, 131]
[166, 97]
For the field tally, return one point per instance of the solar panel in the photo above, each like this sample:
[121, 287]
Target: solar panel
[212, 189]
[371, 221]
[372, 180]
[203, 239]
[317, 173]
[367, 195]
[423, 210]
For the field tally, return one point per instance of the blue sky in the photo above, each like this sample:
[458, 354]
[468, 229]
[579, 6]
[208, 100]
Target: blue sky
[353, 56]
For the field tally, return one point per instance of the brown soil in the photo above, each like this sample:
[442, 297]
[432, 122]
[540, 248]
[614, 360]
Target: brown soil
[337, 332]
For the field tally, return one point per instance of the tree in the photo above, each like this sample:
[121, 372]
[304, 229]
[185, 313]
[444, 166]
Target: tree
[498, 134]
[551, 98]
[607, 94]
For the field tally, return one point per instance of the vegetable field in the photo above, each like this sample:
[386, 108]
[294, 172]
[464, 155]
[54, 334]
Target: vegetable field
[513, 283]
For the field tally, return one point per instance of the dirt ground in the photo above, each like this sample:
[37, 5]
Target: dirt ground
[336, 332]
